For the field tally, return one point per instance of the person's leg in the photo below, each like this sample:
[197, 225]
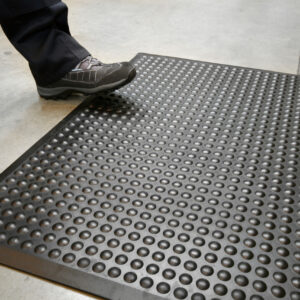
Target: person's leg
[59, 64]
[44, 39]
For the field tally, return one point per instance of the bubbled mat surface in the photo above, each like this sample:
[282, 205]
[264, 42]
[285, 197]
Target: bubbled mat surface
[183, 184]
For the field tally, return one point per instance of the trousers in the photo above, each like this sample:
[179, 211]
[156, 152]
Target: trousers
[39, 30]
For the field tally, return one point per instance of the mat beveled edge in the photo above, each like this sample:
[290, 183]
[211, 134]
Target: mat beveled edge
[73, 277]
[216, 64]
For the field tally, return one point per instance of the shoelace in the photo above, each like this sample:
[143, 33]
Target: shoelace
[91, 63]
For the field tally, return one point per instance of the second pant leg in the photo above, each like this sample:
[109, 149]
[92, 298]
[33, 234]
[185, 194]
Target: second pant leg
[44, 39]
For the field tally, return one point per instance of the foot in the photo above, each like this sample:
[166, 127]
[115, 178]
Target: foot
[90, 76]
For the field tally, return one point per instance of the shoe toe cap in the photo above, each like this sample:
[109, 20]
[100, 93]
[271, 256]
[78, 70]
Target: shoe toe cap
[118, 72]
[125, 70]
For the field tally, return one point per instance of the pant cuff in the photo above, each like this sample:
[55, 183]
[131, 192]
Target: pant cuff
[47, 79]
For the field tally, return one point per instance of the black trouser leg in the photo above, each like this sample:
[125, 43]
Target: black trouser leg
[44, 39]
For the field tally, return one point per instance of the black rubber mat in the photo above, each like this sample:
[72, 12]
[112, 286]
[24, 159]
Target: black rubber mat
[182, 185]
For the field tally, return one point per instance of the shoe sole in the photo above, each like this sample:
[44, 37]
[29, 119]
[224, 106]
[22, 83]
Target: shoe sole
[64, 92]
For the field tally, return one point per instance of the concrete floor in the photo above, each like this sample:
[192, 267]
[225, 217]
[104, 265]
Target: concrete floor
[258, 34]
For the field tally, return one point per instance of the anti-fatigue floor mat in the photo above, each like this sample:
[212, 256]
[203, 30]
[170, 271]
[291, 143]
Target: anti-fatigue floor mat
[182, 185]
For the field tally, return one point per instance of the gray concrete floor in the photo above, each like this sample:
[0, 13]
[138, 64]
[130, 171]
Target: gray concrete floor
[258, 34]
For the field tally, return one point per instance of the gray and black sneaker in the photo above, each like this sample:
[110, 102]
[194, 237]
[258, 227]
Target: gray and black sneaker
[90, 76]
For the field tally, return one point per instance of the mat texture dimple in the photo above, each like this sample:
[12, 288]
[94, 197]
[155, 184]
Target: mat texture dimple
[182, 185]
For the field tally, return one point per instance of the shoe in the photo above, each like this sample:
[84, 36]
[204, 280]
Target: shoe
[90, 76]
